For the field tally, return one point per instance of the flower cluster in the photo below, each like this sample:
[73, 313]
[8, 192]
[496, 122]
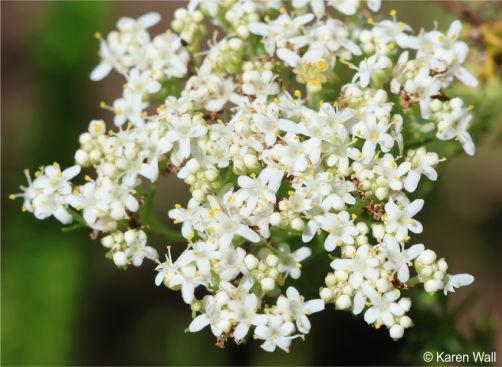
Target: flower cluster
[277, 175]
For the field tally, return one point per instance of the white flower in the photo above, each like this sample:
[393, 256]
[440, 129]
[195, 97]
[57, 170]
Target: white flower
[184, 129]
[148, 20]
[270, 125]
[374, 132]
[211, 6]
[167, 56]
[383, 308]
[213, 315]
[341, 230]
[188, 279]
[422, 87]
[129, 108]
[347, 7]
[398, 219]
[137, 249]
[202, 254]
[190, 217]
[279, 31]
[390, 31]
[296, 306]
[457, 129]
[227, 225]
[141, 82]
[422, 163]
[46, 196]
[361, 266]
[290, 262]
[293, 155]
[309, 68]
[457, 281]
[262, 187]
[276, 333]
[368, 67]
[120, 50]
[231, 263]
[166, 269]
[316, 5]
[259, 84]
[88, 200]
[244, 313]
[392, 172]
[209, 90]
[398, 258]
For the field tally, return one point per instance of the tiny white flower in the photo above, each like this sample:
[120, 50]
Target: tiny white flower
[383, 309]
[276, 333]
[398, 258]
[368, 67]
[398, 219]
[183, 131]
[340, 229]
[457, 281]
[361, 266]
[290, 262]
[295, 305]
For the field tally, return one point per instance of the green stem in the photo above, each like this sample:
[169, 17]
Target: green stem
[156, 226]
[413, 281]
[79, 221]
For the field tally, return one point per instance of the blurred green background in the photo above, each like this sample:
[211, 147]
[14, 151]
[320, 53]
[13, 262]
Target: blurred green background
[63, 303]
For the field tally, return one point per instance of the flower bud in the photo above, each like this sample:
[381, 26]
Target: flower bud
[107, 241]
[222, 298]
[442, 265]
[297, 224]
[381, 193]
[325, 294]
[198, 195]
[275, 219]
[211, 174]
[396, 332]
[330, 280]
[383, 285]
[433, 285]
[193, 165]
[267, 284]
[81, 157]
[343, 302]
[130, 236]
[378, 231]
[120, 258]
[251, 261]
[272, 260]
[362, 227]
[341, 275]
[405, 304]
[406, 322]
[427, 257]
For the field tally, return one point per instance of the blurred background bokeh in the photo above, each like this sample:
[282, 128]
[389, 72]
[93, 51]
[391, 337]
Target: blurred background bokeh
[63, 303]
